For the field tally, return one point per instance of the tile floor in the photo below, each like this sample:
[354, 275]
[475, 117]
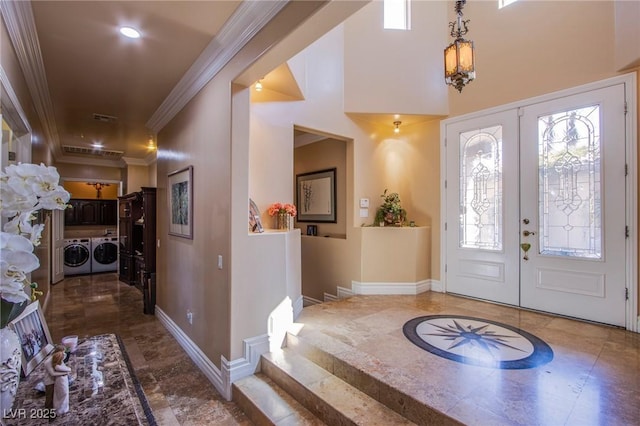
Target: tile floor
[178, 393]
[594, 378]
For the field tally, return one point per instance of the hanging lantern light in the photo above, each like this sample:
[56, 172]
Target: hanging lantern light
[459, 56]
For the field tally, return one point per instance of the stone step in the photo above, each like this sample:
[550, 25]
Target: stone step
[265, 403]
[331, 399]
[368, 374]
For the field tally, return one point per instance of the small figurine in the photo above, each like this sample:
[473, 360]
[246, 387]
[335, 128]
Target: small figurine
[50, 375]
[61, 385]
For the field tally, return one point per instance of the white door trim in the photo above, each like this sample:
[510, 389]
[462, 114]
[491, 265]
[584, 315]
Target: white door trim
[631, 192]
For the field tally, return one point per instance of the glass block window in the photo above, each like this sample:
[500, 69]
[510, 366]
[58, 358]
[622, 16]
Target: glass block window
[481, 189]
[569, 192]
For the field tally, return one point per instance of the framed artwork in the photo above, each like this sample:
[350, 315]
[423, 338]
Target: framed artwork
[312, 230]
[35, 339]
[316, 196]
[255, 224]
[180, 197]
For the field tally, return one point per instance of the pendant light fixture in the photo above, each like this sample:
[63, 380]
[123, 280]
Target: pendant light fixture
[459, 56]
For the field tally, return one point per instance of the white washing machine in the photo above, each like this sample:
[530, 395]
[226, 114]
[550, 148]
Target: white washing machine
[77, 256]
[104, 254]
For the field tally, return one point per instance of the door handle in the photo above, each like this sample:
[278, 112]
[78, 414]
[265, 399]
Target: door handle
[527, 233]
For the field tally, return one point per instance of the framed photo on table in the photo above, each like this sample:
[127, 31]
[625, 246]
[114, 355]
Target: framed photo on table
[180, 197]
[316, 196]
[35, 340]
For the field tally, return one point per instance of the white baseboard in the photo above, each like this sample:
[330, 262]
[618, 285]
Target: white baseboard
[237, 369]
[390, 287]
[297, 307]
[344, 292]
[437, 286]
[309, 301]
[231, 370]
[205, 365]
[328, 297]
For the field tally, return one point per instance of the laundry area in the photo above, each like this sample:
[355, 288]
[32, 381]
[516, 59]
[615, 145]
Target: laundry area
[90, 228]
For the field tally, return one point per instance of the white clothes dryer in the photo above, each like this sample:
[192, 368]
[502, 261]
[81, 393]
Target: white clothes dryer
[105, 254]
[77, 256]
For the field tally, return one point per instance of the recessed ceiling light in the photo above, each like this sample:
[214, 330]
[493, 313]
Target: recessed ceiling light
[129, 32]
[97, 145]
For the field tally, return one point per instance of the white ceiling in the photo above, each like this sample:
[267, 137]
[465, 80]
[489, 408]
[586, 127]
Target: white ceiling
[91, 69]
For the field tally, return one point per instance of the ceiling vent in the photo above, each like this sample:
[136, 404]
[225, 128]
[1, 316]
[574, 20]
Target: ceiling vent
[105, 118]
[104, 153]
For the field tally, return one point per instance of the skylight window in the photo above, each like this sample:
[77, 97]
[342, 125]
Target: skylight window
[503, 3]
[397, 14]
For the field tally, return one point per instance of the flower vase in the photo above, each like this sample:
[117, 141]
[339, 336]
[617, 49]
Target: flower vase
[282, 219]
[10, 364]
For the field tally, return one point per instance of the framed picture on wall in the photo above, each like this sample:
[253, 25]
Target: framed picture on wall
[255, 224]
[180, 197]
[316, 196]
[35, 339]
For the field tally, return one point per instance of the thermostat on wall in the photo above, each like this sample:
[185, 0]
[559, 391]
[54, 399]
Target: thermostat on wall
[364, 203]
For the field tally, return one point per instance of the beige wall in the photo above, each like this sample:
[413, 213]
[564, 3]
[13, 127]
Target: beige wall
[83, 190]
[571, 43]
[88, 172]
[153, 174]
[326, 154]
[200, 135]
[394, 71]
[627, 36]
[137, 177]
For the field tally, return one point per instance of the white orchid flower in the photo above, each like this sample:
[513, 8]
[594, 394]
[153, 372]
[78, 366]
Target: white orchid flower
[55, 200]
[24, 188]
[13, 293]
[36, 234]
[13, 242]
[14, 267]
[20, 261]
[12, 203]
[20, 223]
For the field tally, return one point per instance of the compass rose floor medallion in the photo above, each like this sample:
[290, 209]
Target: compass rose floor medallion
[476, 341]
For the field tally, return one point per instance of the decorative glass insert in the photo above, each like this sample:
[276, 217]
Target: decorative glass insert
[481, 189]
[570, 193]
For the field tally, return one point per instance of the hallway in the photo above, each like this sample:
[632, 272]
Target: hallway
[178, 393]
[593, 378]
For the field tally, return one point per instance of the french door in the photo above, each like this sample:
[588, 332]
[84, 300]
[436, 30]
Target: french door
[535, 206]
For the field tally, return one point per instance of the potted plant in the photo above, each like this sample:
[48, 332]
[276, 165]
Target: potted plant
[390, 211]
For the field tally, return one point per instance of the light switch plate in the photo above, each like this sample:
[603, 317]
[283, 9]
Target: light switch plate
[364, 212]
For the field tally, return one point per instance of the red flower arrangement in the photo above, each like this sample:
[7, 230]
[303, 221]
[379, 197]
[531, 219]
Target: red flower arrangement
[277, 208]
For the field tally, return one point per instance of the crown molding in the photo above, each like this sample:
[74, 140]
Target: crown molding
[12, 109]
[21, 26]
[249, 18]
[130, 161]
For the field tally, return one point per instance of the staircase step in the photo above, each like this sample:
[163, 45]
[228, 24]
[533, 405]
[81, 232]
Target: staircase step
[331, 399]
[366, 373]
[265, 403]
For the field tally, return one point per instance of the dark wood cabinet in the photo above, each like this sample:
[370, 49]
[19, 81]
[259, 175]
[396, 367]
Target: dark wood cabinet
[91, 212]
[109, 212]
[137, 236]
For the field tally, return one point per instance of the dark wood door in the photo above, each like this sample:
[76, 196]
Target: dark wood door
[109, 212]
[88, 212]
